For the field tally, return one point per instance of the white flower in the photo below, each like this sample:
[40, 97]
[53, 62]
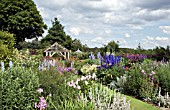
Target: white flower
[94, 75]
[77, 82]
[83, 78]
[78, 87]
[86, 82]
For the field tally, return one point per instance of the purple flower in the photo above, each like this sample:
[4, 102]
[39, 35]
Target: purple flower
[68, 69]
[143, 72]
[150, 75]
[92, 57]
[40, 90]
[76, 72]
[152, 78]
[42, 104]
[60, 69]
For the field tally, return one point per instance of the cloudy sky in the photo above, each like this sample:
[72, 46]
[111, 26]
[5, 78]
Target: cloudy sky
[97, 22]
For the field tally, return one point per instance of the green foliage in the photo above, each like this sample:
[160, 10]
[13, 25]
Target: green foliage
[7, 46]
[18, 89]
[57, 34]
[163, 72]
[21, 18]
[32, 45]
[82, 56]
[112, 47]
[106, 76]
[143, 85]
[133, 83]
[76, 44]
[55, 83]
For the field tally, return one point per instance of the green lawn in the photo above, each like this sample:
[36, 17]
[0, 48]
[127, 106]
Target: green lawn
[139, 105]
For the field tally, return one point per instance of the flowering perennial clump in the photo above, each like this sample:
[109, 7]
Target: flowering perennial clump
[109, 61]
[42, 104]
[151, 75]
[136, 57]
[75, 84]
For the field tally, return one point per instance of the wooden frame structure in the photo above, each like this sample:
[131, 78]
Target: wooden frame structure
[60, 50]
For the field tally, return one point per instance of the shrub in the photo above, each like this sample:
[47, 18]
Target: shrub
[6, 48]
[18, 89]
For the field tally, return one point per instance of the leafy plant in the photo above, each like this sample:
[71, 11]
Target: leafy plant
[7, 47]
[18, 88]
[164, 77]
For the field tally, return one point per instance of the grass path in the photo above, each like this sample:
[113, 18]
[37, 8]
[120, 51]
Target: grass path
[139, 105]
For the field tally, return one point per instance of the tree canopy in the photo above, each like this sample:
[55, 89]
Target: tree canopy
[112, 46]
[21, 18]
[6, 46]
[56, 34]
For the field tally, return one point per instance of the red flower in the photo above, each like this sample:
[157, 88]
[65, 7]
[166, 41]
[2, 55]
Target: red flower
[127, 68]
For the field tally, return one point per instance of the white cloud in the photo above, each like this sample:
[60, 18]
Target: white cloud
[165, 29]
[88, 19]
[132, 26]
[97, 39]
[123, 42]
[127, 35]
[108, 31]
[75, 31]
[155, 41]
[111, 17]
[152, 15]
[149, 38]
[157, 38]
[162, 38]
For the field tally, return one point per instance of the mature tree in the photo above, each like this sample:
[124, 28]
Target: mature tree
[21, 18]
[56, 34]
[112, 46]
[76, 44]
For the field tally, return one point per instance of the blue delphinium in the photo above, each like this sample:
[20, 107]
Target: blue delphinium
[92, 57]
[109, 61]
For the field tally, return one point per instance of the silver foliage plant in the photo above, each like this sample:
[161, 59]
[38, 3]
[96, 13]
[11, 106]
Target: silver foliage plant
[163, 100]
[105, 99]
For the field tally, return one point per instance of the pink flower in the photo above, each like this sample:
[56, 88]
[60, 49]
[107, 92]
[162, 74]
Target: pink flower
[153, 72]
[152, 78]
[40, 90]
[150, 75]
[143, 71]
